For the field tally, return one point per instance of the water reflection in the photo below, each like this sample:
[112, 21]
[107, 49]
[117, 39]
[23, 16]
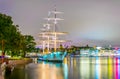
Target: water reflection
[48, 70]
[71, 68]
[117, 68]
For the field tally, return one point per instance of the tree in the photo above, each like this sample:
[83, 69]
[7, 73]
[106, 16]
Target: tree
[11, 38]
[5, 24]
[28, 44]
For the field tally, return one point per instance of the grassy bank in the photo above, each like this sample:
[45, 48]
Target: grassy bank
[18, 61]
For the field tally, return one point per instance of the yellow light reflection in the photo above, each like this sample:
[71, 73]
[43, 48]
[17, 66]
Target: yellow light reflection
[49, 71]
[65, 61]
[110, 69]
[74, 62]
[84, 68]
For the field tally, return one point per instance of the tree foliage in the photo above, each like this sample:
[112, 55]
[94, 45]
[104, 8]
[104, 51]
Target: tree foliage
[11, 38]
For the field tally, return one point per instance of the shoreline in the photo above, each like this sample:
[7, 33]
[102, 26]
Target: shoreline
[18, 61]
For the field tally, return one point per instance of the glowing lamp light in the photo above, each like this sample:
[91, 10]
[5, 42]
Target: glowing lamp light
[116, 48]
[98, 48]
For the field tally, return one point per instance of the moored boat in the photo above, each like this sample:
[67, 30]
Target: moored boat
[49, 38]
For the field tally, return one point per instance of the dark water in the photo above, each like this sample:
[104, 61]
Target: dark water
[71, 68]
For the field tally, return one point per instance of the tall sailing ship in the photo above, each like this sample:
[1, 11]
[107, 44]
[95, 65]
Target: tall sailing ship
[50, 39]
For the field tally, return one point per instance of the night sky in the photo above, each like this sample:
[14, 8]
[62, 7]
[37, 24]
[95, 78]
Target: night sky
[92, 22]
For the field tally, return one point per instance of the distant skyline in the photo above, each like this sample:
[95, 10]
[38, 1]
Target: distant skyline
[92, 22]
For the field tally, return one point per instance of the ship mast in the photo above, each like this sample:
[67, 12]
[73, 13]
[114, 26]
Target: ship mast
[50, 34]
[55, 25]
[47, 29]
[55, 19]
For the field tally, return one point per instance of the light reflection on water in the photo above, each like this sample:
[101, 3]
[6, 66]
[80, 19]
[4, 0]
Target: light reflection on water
[71, 68]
